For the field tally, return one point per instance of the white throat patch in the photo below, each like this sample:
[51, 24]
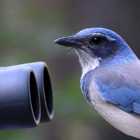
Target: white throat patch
[87, 62]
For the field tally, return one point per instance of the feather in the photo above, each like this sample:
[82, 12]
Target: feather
[115, 87]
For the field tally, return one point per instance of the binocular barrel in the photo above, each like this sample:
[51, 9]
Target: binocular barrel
[25, 95]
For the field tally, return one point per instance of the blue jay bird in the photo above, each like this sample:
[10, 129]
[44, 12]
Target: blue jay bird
[110, 78]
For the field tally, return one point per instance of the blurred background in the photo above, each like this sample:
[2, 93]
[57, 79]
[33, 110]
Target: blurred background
[27, 31]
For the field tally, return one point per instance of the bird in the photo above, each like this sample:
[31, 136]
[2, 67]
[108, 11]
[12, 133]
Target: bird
[110, 79]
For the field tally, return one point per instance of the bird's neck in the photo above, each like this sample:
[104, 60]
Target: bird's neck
[89, 63]
[124, 57]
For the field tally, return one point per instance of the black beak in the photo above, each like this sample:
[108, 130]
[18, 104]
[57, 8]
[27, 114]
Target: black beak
[70, 41]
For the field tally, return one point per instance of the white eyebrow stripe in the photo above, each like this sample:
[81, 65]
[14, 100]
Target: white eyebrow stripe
[109, 37]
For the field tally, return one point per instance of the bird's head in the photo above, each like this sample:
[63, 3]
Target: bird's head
[98, 46]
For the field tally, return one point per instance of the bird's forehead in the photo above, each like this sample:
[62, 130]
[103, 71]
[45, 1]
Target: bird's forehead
[97, 31]
[86, 32]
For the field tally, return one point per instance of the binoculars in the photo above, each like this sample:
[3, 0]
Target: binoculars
[25, 95]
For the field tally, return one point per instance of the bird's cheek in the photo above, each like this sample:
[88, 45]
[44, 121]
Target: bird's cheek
[92, 47]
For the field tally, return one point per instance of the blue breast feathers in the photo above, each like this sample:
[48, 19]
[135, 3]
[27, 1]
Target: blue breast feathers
[84, 84]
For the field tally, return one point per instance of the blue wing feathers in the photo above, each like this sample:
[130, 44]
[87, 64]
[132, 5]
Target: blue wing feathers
[136, 106]
[122, 90]
[124, 96]
[128, 108]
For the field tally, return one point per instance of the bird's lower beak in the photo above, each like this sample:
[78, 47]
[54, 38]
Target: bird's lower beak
[70, 41]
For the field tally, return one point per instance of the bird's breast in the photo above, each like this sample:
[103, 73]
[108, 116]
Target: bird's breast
[90, 88]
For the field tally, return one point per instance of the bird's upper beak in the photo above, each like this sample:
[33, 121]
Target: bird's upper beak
[70, 41]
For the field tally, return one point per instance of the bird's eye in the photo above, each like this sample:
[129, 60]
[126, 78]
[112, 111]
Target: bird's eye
[96, 40]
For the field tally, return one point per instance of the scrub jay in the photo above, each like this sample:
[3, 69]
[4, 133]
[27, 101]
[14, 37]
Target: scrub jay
[110, 78]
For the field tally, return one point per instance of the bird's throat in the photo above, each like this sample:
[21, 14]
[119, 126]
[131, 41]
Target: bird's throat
[87, 62]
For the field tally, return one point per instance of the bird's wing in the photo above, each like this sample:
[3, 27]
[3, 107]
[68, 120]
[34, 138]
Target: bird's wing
[120, 87]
